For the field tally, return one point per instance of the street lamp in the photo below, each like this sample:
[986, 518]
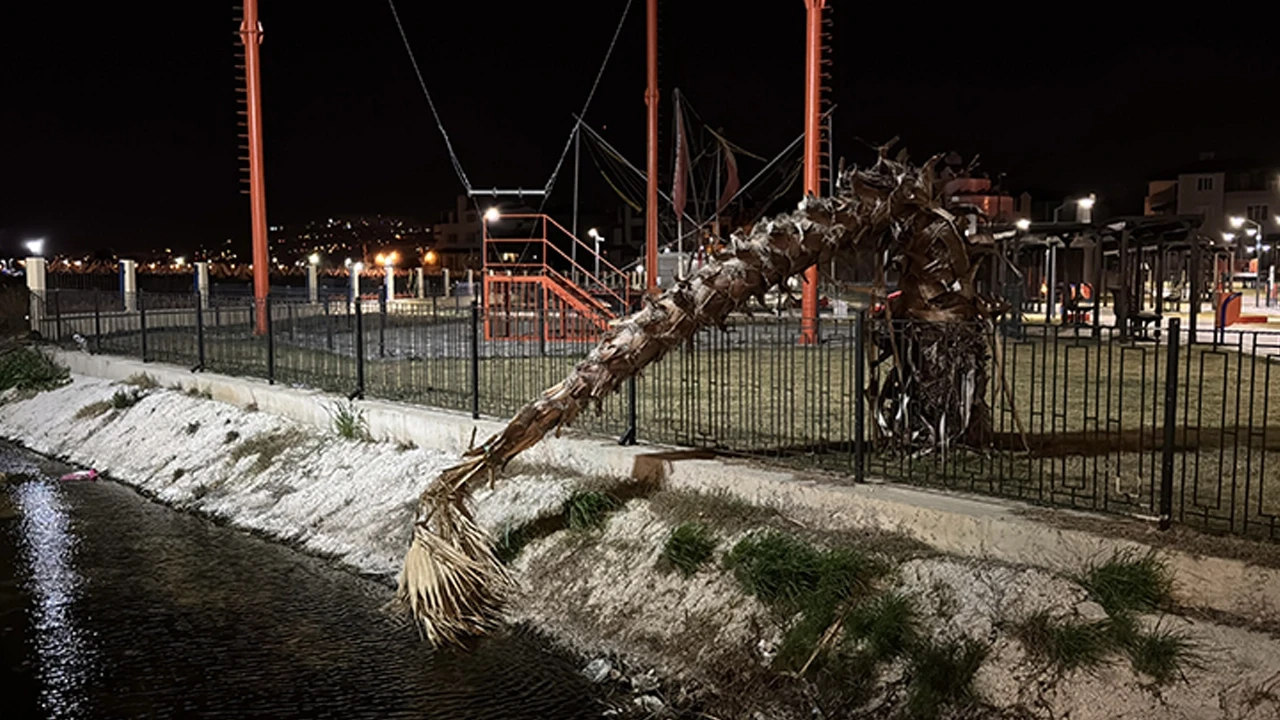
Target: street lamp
[1084, 208]
[314, 258]
[596, 236]
[1252, 228]
[492, 214]
[36, 246]
[1023, 224]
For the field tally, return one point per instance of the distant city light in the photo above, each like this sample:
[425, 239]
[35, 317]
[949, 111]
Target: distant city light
[1023, 224]
[179, 261]
[1236, 221]
[1087, 202]
[380, 259]
[1228, 236]
[35, 246]
[492, 214]
[430, 258]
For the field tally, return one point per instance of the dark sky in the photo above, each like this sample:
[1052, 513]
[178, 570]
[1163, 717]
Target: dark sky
[117, 127]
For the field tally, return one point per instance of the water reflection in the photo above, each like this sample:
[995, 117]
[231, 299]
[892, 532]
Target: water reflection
[62, 645]
[134, 610]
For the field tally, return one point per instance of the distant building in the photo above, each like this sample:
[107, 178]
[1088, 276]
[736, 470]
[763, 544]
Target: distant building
[997, 205]
[1218, 190]
[458, 237]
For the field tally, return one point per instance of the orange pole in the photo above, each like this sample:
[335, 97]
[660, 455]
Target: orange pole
[651, 194]
[812, 137]
[251, 37]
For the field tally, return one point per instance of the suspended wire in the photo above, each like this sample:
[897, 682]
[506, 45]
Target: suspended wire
[453, 157]
[551, 181]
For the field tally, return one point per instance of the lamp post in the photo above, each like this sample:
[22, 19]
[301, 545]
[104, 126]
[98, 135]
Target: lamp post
[313, 278]
[596, 237]
[1084, 208]
[1252, 228]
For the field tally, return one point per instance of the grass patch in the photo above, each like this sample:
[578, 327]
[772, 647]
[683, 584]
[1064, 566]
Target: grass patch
[885, 627]
[193, 428]
[26, 368]
[510, 541]
[231, 437]
[942, 677]
[1162, 654]
[349, 421]
[406, 446]
[1067, 644]
[93, 409]
[689, 546]
[125, 399]
[142, 381]
[267, 447]
[196, 392]
[782, 570]
[177, 474]
[1128, 581]
[587, 509]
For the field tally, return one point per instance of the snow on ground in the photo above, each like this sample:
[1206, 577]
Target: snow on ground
[348, 499]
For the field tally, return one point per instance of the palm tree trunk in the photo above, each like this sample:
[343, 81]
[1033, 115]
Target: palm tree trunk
[452, 582]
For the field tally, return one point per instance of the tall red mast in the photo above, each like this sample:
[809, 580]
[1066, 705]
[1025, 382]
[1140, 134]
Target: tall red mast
[251, 38]
[651, 193]
[812, 160]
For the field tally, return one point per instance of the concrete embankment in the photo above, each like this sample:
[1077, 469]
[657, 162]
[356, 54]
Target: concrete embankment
[589, 527]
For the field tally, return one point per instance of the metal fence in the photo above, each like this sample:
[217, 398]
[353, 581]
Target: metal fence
[1172, 428]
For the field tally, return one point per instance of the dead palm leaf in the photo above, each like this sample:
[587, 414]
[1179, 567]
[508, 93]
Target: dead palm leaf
[453, 583]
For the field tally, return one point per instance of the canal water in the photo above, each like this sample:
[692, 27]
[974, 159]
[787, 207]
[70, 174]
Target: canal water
[112, 606]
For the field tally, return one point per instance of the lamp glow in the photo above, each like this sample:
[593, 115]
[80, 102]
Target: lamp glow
[492, 214]
[314, 258]
[35, 246]
[1236, 221]
[1087, 202]
[1023, 224]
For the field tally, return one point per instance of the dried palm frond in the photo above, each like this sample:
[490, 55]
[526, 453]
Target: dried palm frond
[452, 582]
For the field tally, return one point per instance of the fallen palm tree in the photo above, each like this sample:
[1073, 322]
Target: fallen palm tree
[452, 581]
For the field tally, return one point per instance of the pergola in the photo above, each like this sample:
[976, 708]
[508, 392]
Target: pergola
[1114, 256]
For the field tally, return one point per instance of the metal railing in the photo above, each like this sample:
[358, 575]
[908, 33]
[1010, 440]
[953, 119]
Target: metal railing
[1172, 428]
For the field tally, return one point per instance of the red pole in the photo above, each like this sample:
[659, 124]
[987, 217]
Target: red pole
[251, 37]
[812, 137]
[651, 194]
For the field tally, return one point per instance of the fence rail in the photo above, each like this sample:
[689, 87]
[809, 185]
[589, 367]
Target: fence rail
[1169, 428]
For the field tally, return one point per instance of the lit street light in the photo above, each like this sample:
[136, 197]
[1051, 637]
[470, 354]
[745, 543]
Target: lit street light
[314, 258]
[492, 214]
[1023, 224]
[36, 246]
[1253, 228]
[596, 236]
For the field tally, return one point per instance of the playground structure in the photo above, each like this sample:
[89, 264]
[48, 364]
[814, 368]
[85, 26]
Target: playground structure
[534, 289]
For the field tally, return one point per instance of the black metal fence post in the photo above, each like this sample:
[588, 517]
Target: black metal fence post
[142, 322]
[57, 316]
[359, 393]
[629, 435]
[328, 326]
[97, 321]
[292, 322]
[475, 360]
[271, 344]
[859, 401]
[1170, 418]
[199, 333]
[382, 322]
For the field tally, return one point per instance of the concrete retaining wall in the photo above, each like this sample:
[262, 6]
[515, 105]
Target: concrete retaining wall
[956, 524]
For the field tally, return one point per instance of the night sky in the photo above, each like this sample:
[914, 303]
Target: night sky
[118, 129]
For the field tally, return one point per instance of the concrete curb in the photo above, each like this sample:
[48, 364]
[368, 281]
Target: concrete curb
[956, 524]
